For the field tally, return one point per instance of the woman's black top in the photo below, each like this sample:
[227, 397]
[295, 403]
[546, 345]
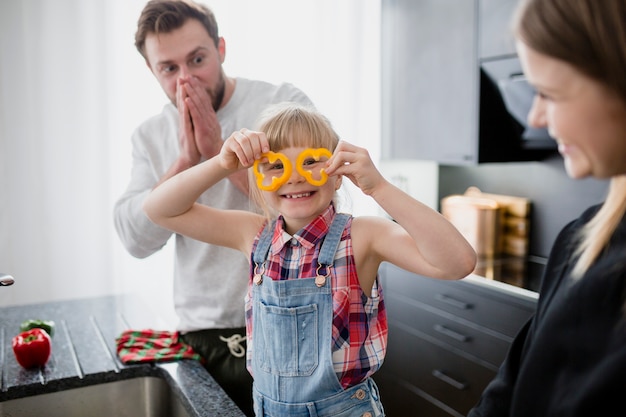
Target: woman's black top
[570, 358]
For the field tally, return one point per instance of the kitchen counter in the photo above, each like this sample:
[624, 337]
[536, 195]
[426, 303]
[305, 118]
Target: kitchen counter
[519, 272]
[84, 354]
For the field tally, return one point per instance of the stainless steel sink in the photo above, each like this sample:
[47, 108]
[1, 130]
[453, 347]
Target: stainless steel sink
[136, 397]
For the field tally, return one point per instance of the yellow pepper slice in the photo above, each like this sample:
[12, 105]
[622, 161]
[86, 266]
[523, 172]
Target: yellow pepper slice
[276, 181]
[308, 174]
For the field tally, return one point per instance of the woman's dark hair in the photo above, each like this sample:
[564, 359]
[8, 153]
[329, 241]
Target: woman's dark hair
[588, 34]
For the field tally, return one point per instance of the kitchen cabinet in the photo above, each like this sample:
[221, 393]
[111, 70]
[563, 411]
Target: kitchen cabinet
[495, 39]
[439, 99]
[446, 341]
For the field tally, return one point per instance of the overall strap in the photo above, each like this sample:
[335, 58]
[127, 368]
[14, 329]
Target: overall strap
[265, 241]
[325, 258]
[332, 239]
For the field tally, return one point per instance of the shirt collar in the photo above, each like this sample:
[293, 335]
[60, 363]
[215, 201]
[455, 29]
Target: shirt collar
[308, 236]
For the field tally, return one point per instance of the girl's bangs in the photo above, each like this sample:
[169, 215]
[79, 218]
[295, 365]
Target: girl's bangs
[299, 129]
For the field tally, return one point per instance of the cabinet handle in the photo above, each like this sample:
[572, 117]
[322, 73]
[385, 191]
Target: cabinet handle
[453, 302]
[451, 333]
[439, 374]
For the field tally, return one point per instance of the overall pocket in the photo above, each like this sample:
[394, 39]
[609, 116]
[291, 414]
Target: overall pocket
[288, 343]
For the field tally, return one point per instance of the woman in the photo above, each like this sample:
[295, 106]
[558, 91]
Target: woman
[570, 359]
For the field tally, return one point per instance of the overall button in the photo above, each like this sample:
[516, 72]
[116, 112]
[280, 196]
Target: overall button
[360, 394]
[367, 414]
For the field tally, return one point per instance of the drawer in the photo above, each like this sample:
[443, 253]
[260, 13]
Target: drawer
[490, 347]
[401, 399]
[441, 374]
[495, 311]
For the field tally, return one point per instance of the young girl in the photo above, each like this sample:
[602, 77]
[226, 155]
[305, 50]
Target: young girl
[316, 322]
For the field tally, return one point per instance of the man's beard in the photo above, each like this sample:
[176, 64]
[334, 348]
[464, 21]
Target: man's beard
[217, 94]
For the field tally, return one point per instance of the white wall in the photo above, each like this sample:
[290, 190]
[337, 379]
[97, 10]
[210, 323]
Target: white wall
[73, 88]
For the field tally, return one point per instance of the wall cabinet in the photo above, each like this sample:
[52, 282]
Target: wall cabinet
[438, 101]
[446, 342]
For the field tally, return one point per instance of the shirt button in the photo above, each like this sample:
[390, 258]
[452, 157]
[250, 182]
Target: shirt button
[360, 394]
[294, 241]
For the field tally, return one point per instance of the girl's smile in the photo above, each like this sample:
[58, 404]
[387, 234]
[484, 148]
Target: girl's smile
[298, 196]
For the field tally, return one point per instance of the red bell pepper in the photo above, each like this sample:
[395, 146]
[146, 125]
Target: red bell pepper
[32, 348]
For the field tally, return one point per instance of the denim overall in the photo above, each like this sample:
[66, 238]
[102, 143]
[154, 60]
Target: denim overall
[292, 359]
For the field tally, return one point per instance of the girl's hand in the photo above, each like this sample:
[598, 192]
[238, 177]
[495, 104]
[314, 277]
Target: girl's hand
[242, 148]
[355, 163]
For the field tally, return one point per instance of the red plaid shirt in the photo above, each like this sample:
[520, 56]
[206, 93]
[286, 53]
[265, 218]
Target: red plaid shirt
[359, 322]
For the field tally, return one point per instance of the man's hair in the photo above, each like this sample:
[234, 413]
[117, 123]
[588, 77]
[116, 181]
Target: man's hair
[164, 16]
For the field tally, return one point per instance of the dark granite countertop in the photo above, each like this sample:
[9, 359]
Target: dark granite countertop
[84, 353]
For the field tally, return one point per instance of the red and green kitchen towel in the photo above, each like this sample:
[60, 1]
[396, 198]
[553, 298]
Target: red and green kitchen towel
[135, 346]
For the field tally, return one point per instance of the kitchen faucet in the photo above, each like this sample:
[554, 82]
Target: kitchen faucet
[6, 280]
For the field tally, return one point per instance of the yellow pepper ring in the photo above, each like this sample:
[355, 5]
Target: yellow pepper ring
[276, 181]
[315, 154]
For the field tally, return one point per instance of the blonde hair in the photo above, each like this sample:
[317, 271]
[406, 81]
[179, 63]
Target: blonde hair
[292, 125]
[597, 232]
[590, 35]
